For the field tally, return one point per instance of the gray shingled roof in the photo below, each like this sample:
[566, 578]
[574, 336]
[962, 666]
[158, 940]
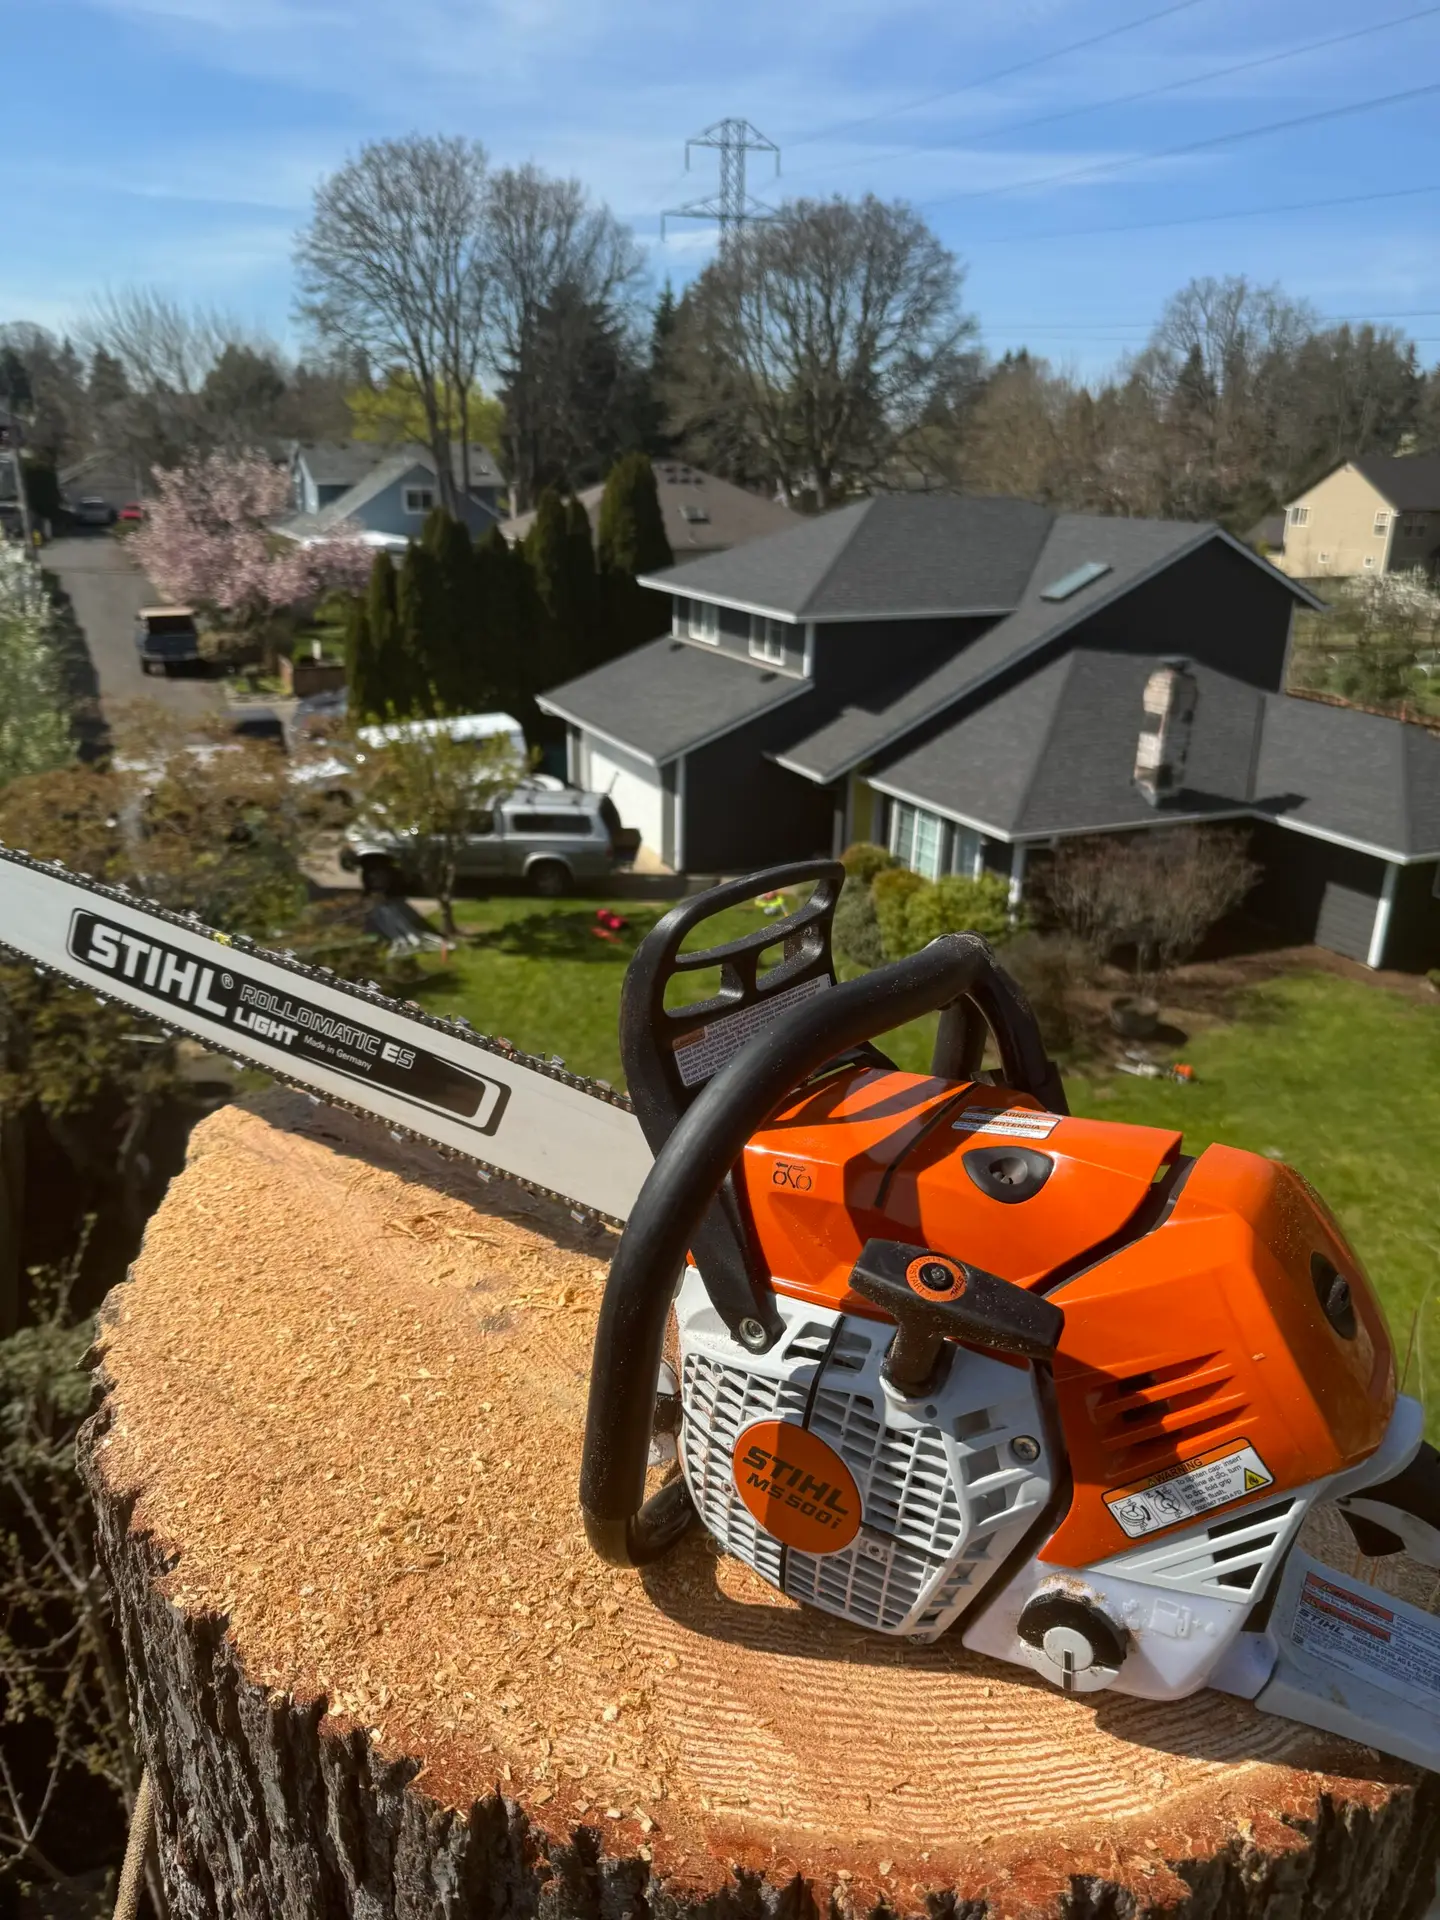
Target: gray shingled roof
[347, 462]
[1134, 548]
[1357, 775]
[667, 696]
[894, 557]
[1406, 480]
[1055, 754]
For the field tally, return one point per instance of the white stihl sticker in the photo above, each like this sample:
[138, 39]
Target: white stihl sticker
[711, 1047]
[1013, 1123]
[1365, 1632]
[1185, 1492]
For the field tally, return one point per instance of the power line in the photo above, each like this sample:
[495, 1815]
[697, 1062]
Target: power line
[1190, 146]
[1133, 326]
[1129, 99]
[988, 79]
[1197, 219]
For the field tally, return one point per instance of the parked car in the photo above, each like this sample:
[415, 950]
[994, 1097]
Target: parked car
[92, 511]
[131, 513]
[550, 837]
[165, 636]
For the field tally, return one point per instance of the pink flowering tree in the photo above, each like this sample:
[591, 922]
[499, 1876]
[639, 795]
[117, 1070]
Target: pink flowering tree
[207, 538]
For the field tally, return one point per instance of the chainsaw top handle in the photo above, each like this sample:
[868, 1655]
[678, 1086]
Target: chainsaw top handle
[707, 1140]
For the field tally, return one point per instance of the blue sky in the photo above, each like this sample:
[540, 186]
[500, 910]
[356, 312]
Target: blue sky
[176, 142]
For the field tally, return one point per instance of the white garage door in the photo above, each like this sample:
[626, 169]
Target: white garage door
[636, 791]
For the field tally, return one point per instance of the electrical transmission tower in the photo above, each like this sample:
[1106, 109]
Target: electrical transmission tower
[732, 206]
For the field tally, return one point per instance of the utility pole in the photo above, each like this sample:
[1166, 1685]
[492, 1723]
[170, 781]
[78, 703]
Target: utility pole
[732, 206]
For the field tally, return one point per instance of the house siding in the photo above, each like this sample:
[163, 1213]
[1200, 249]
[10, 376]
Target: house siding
[1340, 524]
[856, 658]
[742, 810]
[1314, 890]
[1214, 606]
[1413, 942]
[386, 512]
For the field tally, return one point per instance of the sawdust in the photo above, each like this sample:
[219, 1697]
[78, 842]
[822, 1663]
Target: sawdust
[348, 1385]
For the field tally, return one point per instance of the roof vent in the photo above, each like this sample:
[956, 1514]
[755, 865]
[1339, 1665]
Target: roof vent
[1073, 581]
[1160, 752]
[693, 514]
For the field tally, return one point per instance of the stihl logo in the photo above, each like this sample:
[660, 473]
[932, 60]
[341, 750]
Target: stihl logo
[161, 970]
[781, 1480]
[142, 968]
[797, 1487]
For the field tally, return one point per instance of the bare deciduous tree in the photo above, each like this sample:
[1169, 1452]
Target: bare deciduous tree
[392, 266]
[544, 241]
[843, 323]
[1158, 892]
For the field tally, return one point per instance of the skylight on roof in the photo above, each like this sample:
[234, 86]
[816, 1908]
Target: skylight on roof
[1073, 581]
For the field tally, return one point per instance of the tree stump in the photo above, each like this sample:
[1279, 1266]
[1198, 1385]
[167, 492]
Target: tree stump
[376, 1671]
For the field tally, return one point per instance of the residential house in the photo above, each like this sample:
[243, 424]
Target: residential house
[1378, 513]
[965, 680]
[384, 491]
[702, 514]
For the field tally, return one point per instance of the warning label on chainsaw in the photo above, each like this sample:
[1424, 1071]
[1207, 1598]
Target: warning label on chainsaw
[711, 1047]
[1365, 1632]
[1012, 1123]
[1186, 1492]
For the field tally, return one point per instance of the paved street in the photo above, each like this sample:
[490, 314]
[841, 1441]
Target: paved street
[107, 591]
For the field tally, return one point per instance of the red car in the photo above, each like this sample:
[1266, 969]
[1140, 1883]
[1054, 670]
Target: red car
[132, 512]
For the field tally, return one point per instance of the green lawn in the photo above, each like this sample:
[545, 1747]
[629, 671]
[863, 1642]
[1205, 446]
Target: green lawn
[1337, 1077]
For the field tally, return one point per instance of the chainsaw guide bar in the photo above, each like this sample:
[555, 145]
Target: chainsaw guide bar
[552, 1131]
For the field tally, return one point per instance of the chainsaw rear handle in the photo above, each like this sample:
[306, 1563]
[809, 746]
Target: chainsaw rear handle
[708, 1140]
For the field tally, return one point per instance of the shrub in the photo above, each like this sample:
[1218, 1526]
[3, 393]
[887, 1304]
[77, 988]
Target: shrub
[863, 860]
[857, 931]
[891, 890]
[957, 905]
[1048, 968]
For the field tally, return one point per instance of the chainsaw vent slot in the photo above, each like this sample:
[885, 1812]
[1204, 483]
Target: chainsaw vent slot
[1142, 1416]
[1229, 1559]
[809, 1342]
[905, 1478]
[851, 1352]
[969, 1426]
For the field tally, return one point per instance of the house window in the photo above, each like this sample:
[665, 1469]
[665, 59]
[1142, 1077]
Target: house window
[1413, 526]
[967, 854]
[916, 838]
[767, 639]
[1299, 516]
[1322, 556]
[1370, 560]
[419, 499]
[1382, 520]
[703, 622]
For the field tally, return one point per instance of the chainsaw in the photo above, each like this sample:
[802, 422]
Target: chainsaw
[947, 1359]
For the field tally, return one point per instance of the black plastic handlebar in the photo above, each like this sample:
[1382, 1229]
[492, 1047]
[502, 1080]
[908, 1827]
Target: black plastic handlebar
[707, 1141]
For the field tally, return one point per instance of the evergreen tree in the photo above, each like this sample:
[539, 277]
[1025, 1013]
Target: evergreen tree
[455, 647]
[499, 572]
[360, 664]
[394, 695]
[664, 323]
[419, 619]
[632, 541]
[556, 656]
[583, 587]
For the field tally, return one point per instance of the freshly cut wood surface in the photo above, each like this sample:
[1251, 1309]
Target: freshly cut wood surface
[345, 1395]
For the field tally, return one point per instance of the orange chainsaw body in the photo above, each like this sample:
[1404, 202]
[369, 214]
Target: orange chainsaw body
[1189, 1325]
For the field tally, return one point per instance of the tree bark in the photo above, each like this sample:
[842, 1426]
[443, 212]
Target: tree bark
[337, 1398]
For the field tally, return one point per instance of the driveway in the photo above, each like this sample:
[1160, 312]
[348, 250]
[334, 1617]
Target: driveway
[108, 590]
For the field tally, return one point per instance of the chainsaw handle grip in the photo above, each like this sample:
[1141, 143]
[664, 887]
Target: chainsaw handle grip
[708, 1139]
